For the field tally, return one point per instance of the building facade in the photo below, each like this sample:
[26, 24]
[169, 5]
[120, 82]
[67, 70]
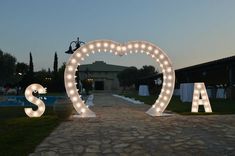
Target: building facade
[103, 76]
[215, 74]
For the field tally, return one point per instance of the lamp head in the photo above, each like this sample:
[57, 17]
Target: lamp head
[70, 51]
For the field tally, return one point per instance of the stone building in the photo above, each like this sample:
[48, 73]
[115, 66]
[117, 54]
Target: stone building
[103, 76]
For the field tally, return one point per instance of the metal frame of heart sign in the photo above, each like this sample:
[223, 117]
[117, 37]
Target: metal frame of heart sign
[148, 48]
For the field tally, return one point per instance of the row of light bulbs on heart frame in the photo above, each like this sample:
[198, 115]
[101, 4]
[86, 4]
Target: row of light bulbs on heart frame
[29, 96]
[120, 49]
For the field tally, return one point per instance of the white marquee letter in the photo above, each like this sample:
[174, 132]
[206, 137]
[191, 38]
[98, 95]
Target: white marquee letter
[200, 89]
[29, 96]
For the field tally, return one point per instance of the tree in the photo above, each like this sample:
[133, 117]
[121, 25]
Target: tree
[144, 78]
[128, 77]
[31, 70]
[61, 78]
[29, 77]
[7, 67]
[55, 63]
[146, 71]
[21, 71]
[22, 68]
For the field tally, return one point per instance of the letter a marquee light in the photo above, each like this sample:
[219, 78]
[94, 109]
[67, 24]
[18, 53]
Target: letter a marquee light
[148, 48]
[200, 89]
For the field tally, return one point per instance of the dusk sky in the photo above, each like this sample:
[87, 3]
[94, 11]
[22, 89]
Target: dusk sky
[189, 31]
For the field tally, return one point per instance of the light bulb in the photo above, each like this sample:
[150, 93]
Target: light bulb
[170, 77]
[73, 61]
[204, 97]
[158, 109]
[124, 48]
[27, 92]
[34, 87]
[30, 98]
[168, 91]
[156, 51]
[118, 48]
[69, 76]
[199, 86]
[169, 69]
[91, 46]
[161, 56]
[75, 99]
[136, 45]
[98, 44]
[105, 44]
[70, 84]
[150, 48]
[112, 46]
[38, 102]
[78, 105]
[84, 50]
[70, 68]
[196, 91]
[166, 63]
[28, 110]
[71, 92]
[78, 55]
[41, 109]
[165, 98]
[83, 110]
[129, 46]
[35, 114]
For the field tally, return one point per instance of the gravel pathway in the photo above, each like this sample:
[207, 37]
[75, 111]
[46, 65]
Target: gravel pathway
[124, 129]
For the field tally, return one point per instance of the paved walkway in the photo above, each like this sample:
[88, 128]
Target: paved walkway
[124, 129]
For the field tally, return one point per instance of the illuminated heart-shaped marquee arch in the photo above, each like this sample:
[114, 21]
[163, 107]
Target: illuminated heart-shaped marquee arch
[148, 48]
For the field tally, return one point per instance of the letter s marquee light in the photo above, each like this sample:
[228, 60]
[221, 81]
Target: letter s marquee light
[148, 48]
[29, 96]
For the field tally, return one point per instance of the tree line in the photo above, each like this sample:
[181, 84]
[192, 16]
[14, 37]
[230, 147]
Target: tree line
[19, 74]
[133, 77]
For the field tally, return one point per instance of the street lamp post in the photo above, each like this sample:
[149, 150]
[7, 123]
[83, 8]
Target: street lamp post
[77, 45]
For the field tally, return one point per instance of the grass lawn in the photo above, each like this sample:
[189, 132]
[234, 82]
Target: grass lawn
[21, 134]
[219, 106]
